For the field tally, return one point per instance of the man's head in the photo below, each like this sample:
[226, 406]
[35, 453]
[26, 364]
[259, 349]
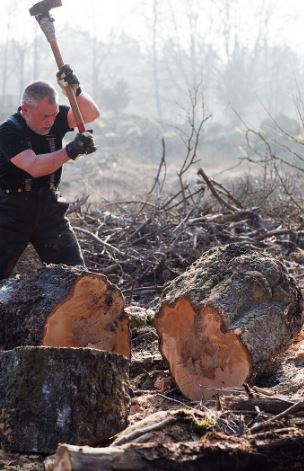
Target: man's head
[39, 106]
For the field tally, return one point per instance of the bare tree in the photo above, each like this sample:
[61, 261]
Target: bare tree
[9, 15]
[197, 118]
[20, 51]
[277, 151]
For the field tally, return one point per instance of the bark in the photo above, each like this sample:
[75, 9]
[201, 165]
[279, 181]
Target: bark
[271, 405]
[61, 306]
[273, 452]
[227, 319]
[164, 426]
[53, 395]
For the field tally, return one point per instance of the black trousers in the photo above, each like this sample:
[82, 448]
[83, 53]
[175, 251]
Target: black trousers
[37, 217]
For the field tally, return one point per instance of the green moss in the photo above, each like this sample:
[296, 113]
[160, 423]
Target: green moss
[28, 366]
[202, 426]
[199, 425]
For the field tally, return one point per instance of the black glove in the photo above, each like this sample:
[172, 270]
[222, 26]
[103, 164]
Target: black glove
[82, 144]
[66, 77]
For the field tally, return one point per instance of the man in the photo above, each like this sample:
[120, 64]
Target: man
[31, 160]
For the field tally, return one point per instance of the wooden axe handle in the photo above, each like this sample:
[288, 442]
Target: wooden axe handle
[69, 90]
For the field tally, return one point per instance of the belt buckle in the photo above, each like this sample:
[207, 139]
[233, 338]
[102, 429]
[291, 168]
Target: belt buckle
[28, 184]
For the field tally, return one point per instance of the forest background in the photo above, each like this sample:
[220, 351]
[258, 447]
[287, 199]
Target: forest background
[161, 69]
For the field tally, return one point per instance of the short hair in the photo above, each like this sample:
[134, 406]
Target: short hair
[38, 90]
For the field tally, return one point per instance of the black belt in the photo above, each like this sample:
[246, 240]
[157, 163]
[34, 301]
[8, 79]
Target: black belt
[28, 188]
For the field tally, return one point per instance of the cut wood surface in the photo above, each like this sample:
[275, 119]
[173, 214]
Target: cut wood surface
[275, 452]
[52, 395]
[62, 306]
[226, 319]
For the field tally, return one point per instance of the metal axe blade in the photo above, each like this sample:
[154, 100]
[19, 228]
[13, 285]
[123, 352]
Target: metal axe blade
[41, 12]
[43, 8]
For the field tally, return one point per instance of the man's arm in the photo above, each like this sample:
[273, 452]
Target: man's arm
[88, 109]
[42, 164]
[45, 164]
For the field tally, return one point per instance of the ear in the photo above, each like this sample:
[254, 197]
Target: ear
[24, 110]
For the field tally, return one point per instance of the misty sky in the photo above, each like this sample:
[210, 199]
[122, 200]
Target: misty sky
[239, 56]
[222, 27]
[133, 16]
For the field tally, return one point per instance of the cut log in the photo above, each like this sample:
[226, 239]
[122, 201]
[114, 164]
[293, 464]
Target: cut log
[226, 319]
[52, 395]
[272, 452]
[62, 306]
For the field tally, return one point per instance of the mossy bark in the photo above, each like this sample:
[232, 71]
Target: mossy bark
[227, 318]
[52, 395]
[63, 306]
[275, 452]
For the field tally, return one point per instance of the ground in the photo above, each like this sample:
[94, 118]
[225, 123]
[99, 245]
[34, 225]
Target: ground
[145, 242]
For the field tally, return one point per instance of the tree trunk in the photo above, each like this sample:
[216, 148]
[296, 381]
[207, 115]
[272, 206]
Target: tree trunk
[52, 395]
[155, 60]
[226, 319]
[277, 452]
[61, 306]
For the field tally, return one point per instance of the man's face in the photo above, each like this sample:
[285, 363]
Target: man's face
[41, 117]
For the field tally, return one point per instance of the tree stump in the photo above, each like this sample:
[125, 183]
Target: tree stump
[226, 319]
[62, 306]
[52, 395]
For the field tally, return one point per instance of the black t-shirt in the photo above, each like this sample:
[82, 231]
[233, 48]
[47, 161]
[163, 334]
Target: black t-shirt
[16, 136]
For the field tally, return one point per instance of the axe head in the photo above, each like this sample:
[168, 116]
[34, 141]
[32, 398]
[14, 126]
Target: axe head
[43, 8]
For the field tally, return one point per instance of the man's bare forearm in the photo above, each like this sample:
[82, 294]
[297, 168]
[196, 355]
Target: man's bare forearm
[42, 164]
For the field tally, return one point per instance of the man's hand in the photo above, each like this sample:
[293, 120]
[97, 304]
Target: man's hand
[82, 144]
[66, 77]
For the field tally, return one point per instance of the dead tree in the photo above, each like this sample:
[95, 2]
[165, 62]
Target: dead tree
[226, 319]
[52, 395]
[62, 306]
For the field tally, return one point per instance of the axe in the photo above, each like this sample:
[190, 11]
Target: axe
[41, 11]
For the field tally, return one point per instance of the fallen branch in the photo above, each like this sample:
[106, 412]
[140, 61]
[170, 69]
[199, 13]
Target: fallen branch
[141, 431]
[98, 239]
[295, 407]
[215, 193]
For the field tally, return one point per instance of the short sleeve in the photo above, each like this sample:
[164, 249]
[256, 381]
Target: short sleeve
[12, 142]
[61, 126]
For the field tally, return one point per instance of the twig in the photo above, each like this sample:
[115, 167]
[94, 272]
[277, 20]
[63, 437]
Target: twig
[75, 206]
[275, 232]
[293, 408]
[288, 193]
[276, 430]
[193, 139]
[140, 227]
[98, 239]
[142, 431]
[197, 411]
[175, 205]
[210, 185]
[162, 164]
[172, 198]
[156, 179]
[228, 194]
[248, 390]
